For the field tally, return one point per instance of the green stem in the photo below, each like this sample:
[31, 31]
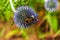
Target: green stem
[12, 5]
[57, 33]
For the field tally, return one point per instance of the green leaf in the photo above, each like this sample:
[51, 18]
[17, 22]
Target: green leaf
[2, 32]
[58, 32]
[11, 33]
[8, 15]
[53, 22]
[24, 34]
[43, 35]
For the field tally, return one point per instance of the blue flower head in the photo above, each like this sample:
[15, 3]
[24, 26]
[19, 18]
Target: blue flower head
[51, 5]
[25, 16]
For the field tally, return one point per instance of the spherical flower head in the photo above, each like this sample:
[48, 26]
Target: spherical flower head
[51, 5]
[25, 17]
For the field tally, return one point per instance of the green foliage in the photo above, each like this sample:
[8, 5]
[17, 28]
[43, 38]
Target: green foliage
[11, 33]
[6, 13]
[53, 22]
[5, 10]
[2, 32]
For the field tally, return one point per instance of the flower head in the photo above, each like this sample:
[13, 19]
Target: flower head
[25, 16]
[51, 5]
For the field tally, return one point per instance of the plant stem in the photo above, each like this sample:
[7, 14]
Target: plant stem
[12, 5]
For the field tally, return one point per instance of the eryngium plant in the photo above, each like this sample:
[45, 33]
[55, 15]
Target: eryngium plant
[25, 16]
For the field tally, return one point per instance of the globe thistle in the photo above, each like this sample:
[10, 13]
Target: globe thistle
[51, 5]
[25, 16]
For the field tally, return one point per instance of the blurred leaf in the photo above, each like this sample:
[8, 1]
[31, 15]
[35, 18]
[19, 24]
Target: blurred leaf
[8, 15]
[41, 1]
[11, 33]
[15, 32]
[43, 35]
[58, 32]
[23, 31]
[53, 22]
[2, 32]
[5, 10]
[24, 34]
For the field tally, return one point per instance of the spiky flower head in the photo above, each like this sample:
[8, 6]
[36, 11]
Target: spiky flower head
[25, 17]
[51, 5]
